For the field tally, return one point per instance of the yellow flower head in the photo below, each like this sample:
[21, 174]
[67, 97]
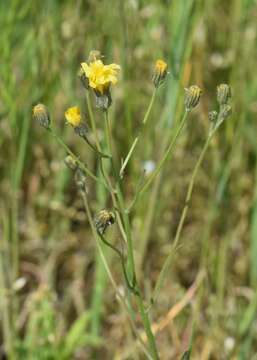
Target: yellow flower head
[160, 72]
[73, 116]
[161, 67]
[100, 76]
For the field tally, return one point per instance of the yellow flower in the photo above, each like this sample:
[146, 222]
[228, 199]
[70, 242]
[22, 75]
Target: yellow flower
[73, 116]
[100, 76]
[160, 72]
[161, 67]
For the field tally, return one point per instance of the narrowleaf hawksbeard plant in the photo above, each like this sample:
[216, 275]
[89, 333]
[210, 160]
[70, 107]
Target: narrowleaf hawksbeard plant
[98, 79]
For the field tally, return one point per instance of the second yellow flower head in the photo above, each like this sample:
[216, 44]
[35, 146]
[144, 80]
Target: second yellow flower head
[73, 116]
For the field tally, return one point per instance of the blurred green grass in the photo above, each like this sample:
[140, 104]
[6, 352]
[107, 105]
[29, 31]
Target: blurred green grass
[45, 238]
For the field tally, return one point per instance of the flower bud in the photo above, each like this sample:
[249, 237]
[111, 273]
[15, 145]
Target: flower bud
[81, 130]
[225, 112]
[70, 162]
[104, 219]
[94, 55]
[80, 180]
[192, 97]
[223, 94]
[160, 72]
[41, 114]
[213, 115]
[103, 100]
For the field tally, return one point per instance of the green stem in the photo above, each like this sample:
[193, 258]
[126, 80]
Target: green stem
[103, 258]
[161, 162]
[92, 121]
[102, 169]
[190, 191]
[148, 330]
[6, 310]
[119, 253]
[169, 258]
[131, 261]
[67, 149]
[133, 146]
[108, 133]
[99, 153]
[93, 126]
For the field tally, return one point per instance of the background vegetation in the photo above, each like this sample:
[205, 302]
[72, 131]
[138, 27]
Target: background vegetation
[56, 300]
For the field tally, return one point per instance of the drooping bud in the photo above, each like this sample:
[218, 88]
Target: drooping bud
[223, 93]
[41, 114]
[160, 72]
[212, 116]
[192, 97]
[104, 219]
[80, 180]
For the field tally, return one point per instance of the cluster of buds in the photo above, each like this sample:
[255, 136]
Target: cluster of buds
[225, 109]
[223, 98]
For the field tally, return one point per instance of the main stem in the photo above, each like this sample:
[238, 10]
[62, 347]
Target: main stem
[120, 297]
[148, 329]
[131, 261]
[92, 121]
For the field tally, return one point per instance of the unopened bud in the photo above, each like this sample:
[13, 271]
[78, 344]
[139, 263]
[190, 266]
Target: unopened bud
[81, 130]
[40, 113]
[80, 180]
[192, 97]
[213, 115]
[223, 94]
[70, 162]
[225, 112]
[103, 100]
[160, 72]
[104, 219]
[94, 55]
